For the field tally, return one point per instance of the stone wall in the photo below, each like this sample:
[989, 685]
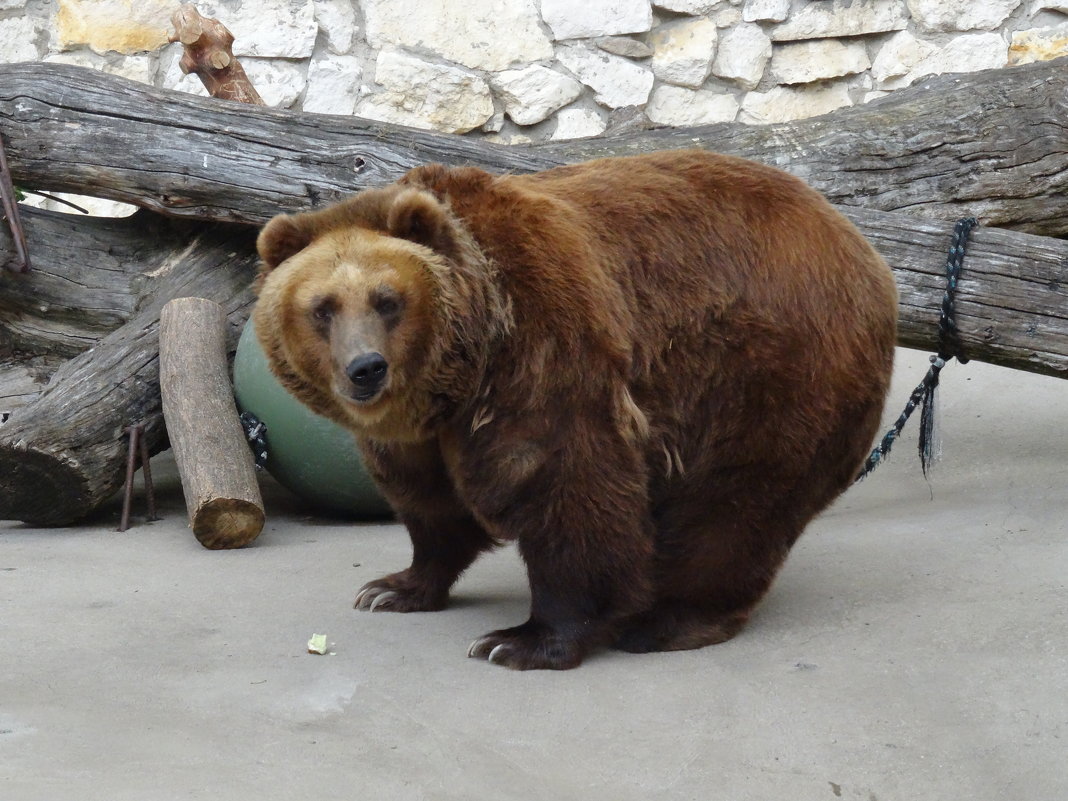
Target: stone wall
[533, 70]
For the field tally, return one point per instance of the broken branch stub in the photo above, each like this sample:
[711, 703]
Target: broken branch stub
[209, 54]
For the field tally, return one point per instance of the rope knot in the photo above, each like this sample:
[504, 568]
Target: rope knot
[949, 347]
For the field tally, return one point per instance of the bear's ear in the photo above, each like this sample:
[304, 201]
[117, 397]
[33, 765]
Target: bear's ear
[281, 238]
[416, 215]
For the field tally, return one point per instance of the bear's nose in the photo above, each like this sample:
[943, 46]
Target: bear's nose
[367, 372]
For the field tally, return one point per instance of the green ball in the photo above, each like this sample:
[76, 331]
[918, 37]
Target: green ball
[309, 455]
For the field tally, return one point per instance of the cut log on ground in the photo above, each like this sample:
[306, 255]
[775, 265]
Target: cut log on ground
[989, 144]
[213, 458]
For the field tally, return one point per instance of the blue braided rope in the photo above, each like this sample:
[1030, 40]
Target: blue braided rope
[949, 347]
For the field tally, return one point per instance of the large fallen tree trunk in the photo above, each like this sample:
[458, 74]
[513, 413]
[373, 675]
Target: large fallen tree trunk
[101, 284]
[990, 144]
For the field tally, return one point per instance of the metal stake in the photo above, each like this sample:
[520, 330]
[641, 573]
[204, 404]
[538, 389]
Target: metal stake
[138, 448]
[21, 263]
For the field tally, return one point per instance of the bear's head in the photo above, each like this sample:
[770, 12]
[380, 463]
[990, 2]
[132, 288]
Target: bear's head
[377, 312]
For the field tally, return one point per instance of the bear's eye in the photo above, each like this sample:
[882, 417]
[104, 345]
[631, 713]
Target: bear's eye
[387, 303]
[322, 312]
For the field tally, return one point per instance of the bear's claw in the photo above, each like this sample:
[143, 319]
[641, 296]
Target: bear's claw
[399, 593]
[374, 597]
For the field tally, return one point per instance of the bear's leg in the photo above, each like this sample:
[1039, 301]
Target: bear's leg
[586, 536]
[441, 550]
[446, 539]
[678, 626]
[712, 570]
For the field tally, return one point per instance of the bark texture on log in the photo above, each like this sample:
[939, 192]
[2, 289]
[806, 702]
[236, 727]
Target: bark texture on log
[990, 144]
[1011, 301]
[63, 452]
[213, 458]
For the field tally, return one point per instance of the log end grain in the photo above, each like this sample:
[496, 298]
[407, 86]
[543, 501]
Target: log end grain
[40, 488]
[221, 523]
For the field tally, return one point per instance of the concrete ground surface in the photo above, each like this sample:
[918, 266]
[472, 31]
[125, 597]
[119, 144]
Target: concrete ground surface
[914, 647]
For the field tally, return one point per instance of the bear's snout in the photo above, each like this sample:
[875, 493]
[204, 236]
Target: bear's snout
[367, 372]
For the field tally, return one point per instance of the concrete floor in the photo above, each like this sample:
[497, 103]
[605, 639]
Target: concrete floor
[914, 647]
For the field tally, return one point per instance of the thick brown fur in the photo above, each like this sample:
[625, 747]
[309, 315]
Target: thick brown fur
[651, 372]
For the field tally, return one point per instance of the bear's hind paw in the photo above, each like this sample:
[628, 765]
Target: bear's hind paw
[527, 647]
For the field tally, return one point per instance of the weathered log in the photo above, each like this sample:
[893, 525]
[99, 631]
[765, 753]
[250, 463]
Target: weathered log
[990, 144]
[1011, 301]
[213, 458]
[63, 452]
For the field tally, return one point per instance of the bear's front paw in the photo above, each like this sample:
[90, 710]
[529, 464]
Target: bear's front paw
[400, 592]
[531, 646]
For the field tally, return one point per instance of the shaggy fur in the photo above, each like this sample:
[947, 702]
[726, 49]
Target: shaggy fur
[650, 372]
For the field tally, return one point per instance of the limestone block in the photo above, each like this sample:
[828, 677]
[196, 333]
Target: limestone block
[428, 96]
[817, 60]
[578, 123]
[674, 105]
[530, 95]
[11, 5]
[898, 56]
[624, 46]
[765, 10]
[829, 19]
[687, 6]
[581, 19]
[278, 82]
[785, 103]
[136, 68]
[961, 15]
[1038, 44]
[616, 82]
[1042, 5]
[18, 36]
[333, 85]
[337, 21]
[968, 53]
[266, 28]
[494, 124]
[742, 54]
[122, 26]
[480, 34]
[683, 51]
[725, 15]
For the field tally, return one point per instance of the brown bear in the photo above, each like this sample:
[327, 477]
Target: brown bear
[650, 372]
